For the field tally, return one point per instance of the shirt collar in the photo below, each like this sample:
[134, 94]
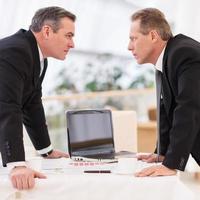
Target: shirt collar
[159, 62]
[40, 54]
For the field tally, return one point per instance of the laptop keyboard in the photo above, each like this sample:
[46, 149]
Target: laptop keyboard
[101, 156]
[95, 154]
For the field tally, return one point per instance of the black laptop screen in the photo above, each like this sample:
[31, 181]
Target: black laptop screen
[90, 131]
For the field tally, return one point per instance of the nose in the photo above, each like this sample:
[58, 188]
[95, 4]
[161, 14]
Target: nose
[71, 44]
[130, 46]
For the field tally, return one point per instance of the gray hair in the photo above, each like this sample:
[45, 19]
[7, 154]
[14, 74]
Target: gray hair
[152, 18]
[51, 16]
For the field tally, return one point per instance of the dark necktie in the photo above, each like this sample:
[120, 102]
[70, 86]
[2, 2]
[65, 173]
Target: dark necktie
[44, 69]
[158, 95]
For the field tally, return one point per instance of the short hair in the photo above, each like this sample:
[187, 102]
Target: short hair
[152, 18]
[51, 16]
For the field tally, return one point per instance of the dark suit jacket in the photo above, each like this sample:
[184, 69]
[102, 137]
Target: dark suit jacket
[20, 96]
[180, 106]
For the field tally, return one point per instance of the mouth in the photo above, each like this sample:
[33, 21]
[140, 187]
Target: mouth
[135, 55]
[66, 51]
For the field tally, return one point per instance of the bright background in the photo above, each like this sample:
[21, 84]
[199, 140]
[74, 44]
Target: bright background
[100, 60]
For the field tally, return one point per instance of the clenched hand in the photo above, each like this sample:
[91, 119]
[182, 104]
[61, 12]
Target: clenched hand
[23, 178]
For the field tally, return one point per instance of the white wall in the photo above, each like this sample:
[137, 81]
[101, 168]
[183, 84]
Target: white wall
[102, 25]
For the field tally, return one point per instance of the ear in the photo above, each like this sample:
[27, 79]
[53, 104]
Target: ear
[154, 35]
[46, 31]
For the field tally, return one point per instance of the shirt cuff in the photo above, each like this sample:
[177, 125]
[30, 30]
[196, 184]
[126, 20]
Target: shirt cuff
[11, 165]
[45, 150]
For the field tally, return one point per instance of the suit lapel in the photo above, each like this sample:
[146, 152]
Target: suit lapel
[166, 89]
[35, 53]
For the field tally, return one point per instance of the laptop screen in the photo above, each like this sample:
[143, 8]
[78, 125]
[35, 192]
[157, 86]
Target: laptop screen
[90, 132]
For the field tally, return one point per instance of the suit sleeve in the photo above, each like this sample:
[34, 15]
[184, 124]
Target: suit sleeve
[11, 137]
[35, 122]
[186, 118]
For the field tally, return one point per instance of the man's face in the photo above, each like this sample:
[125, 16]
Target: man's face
[141, 46]
[59, 43]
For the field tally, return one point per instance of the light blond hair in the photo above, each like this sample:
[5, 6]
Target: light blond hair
[152, 18]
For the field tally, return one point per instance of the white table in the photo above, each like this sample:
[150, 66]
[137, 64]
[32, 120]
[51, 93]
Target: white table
[70, 183]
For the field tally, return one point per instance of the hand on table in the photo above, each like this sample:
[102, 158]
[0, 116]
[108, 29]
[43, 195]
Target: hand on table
[150, 158]
[156, 170]
[23, 177]
[57, 154]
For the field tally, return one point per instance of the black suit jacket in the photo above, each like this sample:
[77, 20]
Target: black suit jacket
[180, 106]
[20, 96]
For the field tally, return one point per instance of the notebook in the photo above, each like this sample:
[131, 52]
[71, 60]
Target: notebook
[90, 134]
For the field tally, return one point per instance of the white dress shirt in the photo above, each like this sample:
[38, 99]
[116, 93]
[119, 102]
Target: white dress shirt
[41, 60]
[159, 62]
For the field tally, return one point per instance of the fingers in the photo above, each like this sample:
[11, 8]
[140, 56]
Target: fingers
[23, 178]
[154, 158]
[157, 173]
[145, 172]
[158, 170]
[147, 158]
[150, 158]
[58, 154]
[23, 181]
[63, 154]
[14, 182]
[154, 174]
[39, 175]
[143, 156]
[18, 183]
[31, 183]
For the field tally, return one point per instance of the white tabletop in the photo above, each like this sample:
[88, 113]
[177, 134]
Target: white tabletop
[66, 180]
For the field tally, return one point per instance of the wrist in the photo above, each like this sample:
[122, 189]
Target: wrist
[15, 164]
[47, 154]
[19, 167]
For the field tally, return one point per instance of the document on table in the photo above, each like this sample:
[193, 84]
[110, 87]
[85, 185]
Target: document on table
[70, 166]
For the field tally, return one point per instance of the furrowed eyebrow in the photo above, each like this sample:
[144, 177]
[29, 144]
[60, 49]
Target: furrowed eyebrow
[70, 33]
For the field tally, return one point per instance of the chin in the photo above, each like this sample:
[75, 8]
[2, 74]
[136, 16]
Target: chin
[60, 57]
[141, 62]
[63, 58]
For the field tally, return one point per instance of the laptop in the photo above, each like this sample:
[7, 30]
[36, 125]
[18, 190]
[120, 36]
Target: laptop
[90, 134]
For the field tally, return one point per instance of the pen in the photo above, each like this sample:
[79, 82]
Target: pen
[97, 171]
